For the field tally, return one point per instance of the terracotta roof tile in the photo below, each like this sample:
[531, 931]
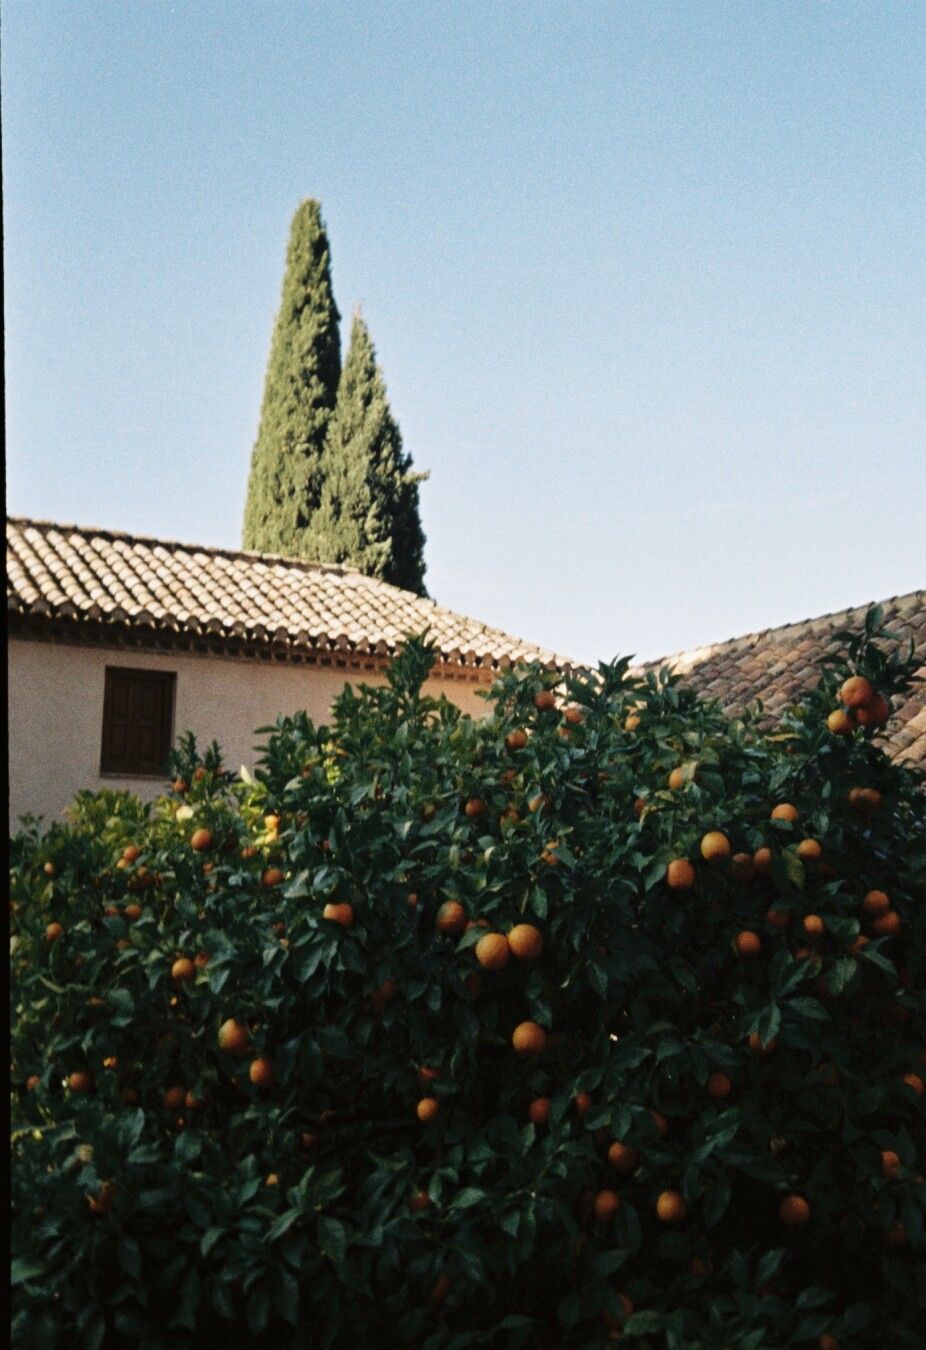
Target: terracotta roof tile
[778, 665]
[67, 571]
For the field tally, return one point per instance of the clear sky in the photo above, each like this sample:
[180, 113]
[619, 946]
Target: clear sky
[647, 283]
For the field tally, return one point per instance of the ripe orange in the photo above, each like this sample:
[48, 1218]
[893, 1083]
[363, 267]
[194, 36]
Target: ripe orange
[492, 951]
[53, 932]
[671, 1207]
[742, 867]
[49, 869]
[747, 943]
[785, 811]
[342, 914]
[80, 1081]
[762, 859]
[529, 1039]
[759, 1046]
[233, 1038]
[715, 846]
[890, 1163]
[874, 712]
[876, 902]
[32, 1082]
[622, 1157]
[607, 1203]
[677, 778]
[412, 899]
[173, 1098]
[680, 875]
[794, 1211]
[261, 1073]
[631, 721]
[427, 1109]
[856, 690]
[418, 1202]
[516, 740]
[582, 1101]
[867, 801]
[888, 924]
[549, 853]
[814, 925]
[914, 1081]
[538, 803]
[272, 876]
[182, 970]
[539, 1111]
[201, 960]
[132, 912]
[102, 1202]
[200, 840]
[475, 807]
[131, 853]
[427, 1073]
[639, 807]
[272, 823]
[809, 851]
[573, 715]
[545, 701]
[841, 723]
[719, 1086]
[451, 918]
[525, 941]
[778, 918]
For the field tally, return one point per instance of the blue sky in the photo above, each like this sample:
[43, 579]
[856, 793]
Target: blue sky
[647, 283]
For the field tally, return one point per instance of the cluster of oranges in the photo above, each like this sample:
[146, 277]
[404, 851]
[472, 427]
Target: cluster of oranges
[862, 706]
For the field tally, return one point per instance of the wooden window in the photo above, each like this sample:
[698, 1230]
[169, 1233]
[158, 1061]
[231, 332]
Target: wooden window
[138, 715]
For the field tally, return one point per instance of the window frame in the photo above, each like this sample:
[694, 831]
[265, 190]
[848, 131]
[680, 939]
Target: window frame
[167, 680]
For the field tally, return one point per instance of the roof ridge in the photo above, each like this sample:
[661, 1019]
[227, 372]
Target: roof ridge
[782, 627]
[213, 549]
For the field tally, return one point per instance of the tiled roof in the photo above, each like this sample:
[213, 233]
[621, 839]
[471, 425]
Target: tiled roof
[778, 664]
[100, 579]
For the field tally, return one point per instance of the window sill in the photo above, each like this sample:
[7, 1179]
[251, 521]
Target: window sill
[148, 777]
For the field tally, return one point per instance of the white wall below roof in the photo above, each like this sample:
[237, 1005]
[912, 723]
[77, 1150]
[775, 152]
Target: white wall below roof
[56, 712]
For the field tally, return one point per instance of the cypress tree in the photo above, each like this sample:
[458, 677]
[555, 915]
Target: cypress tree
[369, 513]
[284, 487]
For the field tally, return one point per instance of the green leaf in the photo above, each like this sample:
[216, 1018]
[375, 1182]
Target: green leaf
[469, 1196]
[22, 1270]
[209, 1239]
[332, 1239]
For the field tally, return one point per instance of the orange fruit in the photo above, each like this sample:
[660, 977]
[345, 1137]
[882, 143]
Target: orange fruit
[890, 1163]
[809, 851]
[715, 846]
[676, 778]
[261, 1073]
[742, 867]
[182, 970]
[418, 1202]
[659, 1120]
[539, 1111]
[538, 803]
[762, 859]
[201, 960]
[827, 1342]
[607, 1203]
[342, 914]
[427, 1109]
[778, 918]
[32, 1082]
[233, 1038]
[475, 807]
[525, 941]
[582, 1101]
[53, 932]
[794, 1211]
[173, 1098]
[451, 918]
[680, 875]
[719, 1086]
[545, 701]
[102, 1202]
[272, 876]
[573, 715]
[427, 1073]
[131, 853]
[631, 721]
[841, 723]
[132, 912]
[529, 1039]
[516, 740]
[671, 1207]
[200, 840]
[867, 801]
[914, 1081]
[874, 712]
[192, 1102]
[80, 1081]
[814, 925]
[785, 811]
[888, 924]
[760, 1047]
[639, 807]
[856, 690]
[272, 822]
[860, 942]
[876, 902]
[492, 951]
[622, 1157]
[747, 943]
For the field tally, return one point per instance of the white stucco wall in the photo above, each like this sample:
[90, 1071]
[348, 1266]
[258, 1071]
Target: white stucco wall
[56, 712]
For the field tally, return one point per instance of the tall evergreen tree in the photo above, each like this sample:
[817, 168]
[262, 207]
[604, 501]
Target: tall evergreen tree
[369, 512]
[284, 487]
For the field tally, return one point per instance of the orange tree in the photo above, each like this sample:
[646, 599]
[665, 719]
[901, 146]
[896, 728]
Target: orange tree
[602, 1018]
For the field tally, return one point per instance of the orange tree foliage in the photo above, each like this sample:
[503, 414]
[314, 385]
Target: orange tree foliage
[370, 1161]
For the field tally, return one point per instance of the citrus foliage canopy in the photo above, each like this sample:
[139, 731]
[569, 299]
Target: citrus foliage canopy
[272, 1080]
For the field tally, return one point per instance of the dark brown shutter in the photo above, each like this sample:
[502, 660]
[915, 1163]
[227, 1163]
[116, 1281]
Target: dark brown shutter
[137, 719]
